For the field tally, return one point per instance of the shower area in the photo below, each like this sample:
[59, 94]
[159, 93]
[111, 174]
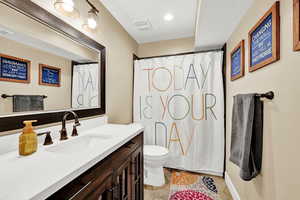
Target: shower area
[180, 101]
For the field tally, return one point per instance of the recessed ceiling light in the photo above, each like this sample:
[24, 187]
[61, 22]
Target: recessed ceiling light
[168, 17]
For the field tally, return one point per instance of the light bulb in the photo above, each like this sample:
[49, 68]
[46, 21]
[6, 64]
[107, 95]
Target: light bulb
[68, 5]
[169, 17]
[92, 23]
[67, 8]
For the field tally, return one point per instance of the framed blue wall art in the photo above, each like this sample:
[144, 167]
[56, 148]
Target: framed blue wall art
[296, 25]
[49, 76]
[14, 69]
[264, 40]
[237, 61]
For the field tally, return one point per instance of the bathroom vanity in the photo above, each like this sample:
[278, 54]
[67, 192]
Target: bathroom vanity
[118, 176]
[104, 161]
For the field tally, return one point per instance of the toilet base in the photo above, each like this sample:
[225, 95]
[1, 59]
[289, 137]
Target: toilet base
[154, 176]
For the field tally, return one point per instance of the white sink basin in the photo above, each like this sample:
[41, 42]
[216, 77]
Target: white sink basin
[102, 136]
[79, 144]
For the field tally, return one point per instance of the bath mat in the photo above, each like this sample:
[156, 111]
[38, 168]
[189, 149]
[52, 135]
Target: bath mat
[191, 186]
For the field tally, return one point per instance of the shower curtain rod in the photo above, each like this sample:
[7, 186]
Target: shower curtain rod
[181, 54]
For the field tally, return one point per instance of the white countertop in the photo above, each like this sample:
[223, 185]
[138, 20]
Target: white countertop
[43, 173]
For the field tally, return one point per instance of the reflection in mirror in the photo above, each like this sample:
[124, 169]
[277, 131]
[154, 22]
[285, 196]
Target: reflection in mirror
[43, 70]
[85, 85]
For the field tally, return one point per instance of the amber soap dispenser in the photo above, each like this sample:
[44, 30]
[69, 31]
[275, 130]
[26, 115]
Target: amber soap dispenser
[28, 139]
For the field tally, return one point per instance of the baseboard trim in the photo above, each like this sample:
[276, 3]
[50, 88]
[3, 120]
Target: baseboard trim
[235, 195]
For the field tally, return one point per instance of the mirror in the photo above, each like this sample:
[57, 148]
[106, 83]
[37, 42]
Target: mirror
[42, 69]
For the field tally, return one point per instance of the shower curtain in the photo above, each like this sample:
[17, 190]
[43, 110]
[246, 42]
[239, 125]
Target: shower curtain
[180, 101]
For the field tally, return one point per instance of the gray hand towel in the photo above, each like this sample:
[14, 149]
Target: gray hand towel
[23, 103]
[247, 135]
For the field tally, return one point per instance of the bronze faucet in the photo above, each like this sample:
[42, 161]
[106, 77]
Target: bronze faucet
[63, 132]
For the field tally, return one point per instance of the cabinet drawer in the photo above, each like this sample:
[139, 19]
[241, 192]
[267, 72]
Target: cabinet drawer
[81, 186]
[126, 150]
[103, 168]
[136, 142]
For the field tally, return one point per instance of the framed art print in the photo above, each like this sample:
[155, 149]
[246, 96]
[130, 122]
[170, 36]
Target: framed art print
[14, 69]
[296, 24]
[264, 40]
[49, 76]
[237, 61]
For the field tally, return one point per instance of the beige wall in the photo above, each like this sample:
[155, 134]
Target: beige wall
[119, 48]
[279, 178]
[58, 97]
[166, 47]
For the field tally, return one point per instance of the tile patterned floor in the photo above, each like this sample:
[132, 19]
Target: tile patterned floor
[162, 193]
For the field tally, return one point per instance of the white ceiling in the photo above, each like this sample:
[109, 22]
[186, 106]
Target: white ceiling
[216, 21]
[129, 11]
[210, 21]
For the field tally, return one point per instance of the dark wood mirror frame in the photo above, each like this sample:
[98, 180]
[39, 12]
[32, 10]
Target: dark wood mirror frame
[34, 11]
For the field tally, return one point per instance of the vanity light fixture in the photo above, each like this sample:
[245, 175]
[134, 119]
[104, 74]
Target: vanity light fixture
[91, 22]
[67, 8]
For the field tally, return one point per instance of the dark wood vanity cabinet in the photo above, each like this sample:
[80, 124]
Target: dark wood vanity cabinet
[122, 182]
[117, 177]
[137, 169]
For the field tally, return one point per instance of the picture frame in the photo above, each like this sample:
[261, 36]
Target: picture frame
[237, 61]
[296, 25]
[14, 69]
[49, 75]
[264, 39]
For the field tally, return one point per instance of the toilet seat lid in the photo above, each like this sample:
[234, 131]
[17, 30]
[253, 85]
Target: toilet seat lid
[155, 150]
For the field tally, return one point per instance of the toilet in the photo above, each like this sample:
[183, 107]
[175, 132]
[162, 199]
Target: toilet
[154, 158]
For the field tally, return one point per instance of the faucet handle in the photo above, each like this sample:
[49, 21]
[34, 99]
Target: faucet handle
[75, 132]
[48, 139]
[63, 134]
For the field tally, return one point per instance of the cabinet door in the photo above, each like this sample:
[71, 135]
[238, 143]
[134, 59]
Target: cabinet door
[102, 191]
[122, 182]
[137, 167]
[98, 189]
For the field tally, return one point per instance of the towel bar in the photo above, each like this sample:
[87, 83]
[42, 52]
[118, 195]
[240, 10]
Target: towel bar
[268, 95]
[7, 96]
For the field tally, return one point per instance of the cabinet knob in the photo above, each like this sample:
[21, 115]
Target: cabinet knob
[113, 188]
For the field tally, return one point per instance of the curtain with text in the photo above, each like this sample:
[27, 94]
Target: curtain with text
[180, 101]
